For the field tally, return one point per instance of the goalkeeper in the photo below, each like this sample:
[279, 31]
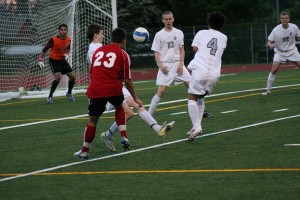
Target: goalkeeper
[59, 54]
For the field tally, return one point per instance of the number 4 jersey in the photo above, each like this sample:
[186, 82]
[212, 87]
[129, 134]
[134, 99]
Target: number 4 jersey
[110, 66]
[208, 58]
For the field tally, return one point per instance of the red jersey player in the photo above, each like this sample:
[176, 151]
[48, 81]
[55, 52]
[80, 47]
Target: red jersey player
[109, 69]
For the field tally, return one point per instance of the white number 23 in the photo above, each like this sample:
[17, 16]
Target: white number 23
[111, 59]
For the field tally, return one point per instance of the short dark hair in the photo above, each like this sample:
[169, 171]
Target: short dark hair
[284, 13]
[62, 25]
[118, 35]
[93, 29]
[166, 13]
[216, 20]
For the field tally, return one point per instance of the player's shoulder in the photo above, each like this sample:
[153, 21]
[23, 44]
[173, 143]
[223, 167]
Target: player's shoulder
[293, 25]
[177, 30]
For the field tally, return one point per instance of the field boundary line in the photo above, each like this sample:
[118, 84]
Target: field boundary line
[143, 149]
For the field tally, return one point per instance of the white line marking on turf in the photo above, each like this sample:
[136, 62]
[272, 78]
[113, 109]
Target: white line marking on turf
[143, 149]
[280, 110]
[229, 111]
[178, 113]
[162, 103]
[291, 145]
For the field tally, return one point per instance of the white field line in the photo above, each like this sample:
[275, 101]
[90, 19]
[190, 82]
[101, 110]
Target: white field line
[178, 113]
[143, 149]
[229, 111]
[162, 103]
[292, 145]
[280, 110]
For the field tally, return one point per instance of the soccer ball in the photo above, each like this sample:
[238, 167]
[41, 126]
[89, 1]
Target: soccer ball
[140, 35]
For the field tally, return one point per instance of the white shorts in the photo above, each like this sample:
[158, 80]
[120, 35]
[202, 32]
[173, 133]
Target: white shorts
[201, 82]
[126, 93]
[282, 58]
[172, 76]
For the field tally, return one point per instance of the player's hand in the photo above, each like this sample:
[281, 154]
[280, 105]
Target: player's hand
[164, 69]
[66, 55]
[41, 63]
[180, 70]
[138, 101]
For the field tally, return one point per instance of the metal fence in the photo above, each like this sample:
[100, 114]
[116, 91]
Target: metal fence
[246, 45]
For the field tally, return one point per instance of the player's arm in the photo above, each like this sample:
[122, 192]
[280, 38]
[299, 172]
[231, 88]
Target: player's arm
[181, 60]
[49, 45]
[45, 49]
[270, 44]
[163, 68]
[130, 88]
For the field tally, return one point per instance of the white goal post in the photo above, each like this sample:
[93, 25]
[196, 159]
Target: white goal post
[25, 28]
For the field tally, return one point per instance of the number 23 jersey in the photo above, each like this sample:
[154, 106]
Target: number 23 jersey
[211, 45]
[110, 66]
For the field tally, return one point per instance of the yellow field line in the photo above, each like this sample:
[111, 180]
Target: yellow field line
[165, 171]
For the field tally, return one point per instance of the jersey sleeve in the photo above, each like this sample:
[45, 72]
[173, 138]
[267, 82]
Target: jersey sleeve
[272, 36]
[126, 67]
[196, 40]
[49, 45]
[182, 39]
[155, 44]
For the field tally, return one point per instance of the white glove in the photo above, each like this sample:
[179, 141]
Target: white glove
[66, 55]
[41, 63]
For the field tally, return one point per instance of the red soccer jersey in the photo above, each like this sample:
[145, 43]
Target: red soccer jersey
[110, 65]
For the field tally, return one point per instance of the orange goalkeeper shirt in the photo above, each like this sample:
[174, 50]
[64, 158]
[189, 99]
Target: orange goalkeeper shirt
[58, 46]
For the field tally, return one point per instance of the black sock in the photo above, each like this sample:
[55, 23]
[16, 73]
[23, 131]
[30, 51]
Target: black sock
[53, 87]
[70, 86]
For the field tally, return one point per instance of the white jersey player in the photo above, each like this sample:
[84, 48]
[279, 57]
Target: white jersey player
[283, 40]
[168, 47]
[209, 46]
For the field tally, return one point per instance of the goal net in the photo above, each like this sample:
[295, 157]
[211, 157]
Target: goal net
[25, 28]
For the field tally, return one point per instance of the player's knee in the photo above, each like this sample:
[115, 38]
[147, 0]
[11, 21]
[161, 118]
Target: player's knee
[129, 114]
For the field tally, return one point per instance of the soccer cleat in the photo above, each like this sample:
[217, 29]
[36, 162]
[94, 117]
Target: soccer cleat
[165, 128]
[190, 131]
[70, 97]
[125, 143]
[49, 100]
[193, 134]
[80, 154]
[207, 115]
[265, 93]
[108, 141]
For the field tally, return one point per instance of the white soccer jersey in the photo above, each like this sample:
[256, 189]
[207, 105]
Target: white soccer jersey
[168, 44]
[285, 39]
[211, 45]
[92, 48]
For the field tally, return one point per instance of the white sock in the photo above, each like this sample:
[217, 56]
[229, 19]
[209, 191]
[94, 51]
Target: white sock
[154, 102]
[194, 114]
[271, 79]
[145, 115]
[112, 130]
[201, 107]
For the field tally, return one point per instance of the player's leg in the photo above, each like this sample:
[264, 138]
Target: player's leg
[120, 118]
[149, 119]
[156, 99]
[56, 71]
[114, 127]
[271, 77]
[194, 117]
[96, 108]
[68, 71]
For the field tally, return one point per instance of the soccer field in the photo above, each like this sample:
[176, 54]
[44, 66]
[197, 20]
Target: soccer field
[250, 149]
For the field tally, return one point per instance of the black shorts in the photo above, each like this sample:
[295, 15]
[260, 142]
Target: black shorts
[61, 66]
[97, 105]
